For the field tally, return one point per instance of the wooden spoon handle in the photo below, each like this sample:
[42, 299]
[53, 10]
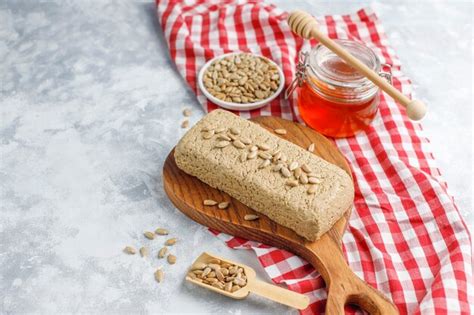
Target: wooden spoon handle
[343, 285]
[306, 26]
[280, 295]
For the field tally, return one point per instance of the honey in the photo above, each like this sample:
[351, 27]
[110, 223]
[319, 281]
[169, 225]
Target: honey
[334, 98]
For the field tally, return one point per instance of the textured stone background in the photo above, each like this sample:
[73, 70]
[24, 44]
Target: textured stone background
[90, 106]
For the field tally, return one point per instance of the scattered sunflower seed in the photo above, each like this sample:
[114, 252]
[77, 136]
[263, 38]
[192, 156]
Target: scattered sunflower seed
[171, 259]
[171, 241]
[162, 252]
[161, 231]
[223, 205]
[280, 131]
[209, 202]
[311, 147]
[159, 275]
[149, 235]
[251, 217]
[185, 124]
[143, 251]
[130, 250]
[186, 112]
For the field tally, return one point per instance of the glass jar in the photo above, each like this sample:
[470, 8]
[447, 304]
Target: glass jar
[334, 98]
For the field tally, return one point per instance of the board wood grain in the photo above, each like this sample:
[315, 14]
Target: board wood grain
[188, 192]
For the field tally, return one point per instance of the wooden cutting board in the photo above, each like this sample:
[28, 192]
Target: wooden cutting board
[344, 287]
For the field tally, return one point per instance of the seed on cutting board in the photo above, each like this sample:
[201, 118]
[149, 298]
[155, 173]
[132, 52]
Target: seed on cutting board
[238, 144]
[171, 241]
[143, 251]
[162, 252]
[161, 231]
[186, 112]
[185, 124]
[293, 166]
[159, 274]
[171, 259]
[209, 202]
[280, 131]
[223, 205]
[251, 217]
[312, 189]
[149, 235]
[222, 144]
[130, 250]
[311, 147]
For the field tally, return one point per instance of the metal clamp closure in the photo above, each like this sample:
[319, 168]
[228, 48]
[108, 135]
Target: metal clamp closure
[300, 74]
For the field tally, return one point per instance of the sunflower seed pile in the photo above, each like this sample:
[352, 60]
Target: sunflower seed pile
[241, 78]
[219, 274]
[295, 173]
[162, 253]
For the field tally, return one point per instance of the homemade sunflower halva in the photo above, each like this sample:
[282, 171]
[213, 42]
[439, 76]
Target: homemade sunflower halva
[290, 185]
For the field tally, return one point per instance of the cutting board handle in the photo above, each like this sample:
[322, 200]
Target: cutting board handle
[343, 285]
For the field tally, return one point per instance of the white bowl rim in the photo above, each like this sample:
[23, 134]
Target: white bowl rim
[239, 106]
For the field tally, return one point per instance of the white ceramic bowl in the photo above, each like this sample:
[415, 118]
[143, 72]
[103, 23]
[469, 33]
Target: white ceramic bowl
[239, 106]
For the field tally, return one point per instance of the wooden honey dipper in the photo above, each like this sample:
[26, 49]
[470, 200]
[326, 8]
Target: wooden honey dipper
[304, 25]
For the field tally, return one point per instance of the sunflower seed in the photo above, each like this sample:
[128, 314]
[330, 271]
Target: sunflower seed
[171, 241]
[265, 155]
[161, 231]
[306, 168]
[209, 202]
[264, 164]
[162, 252]
[228, 287]
[263, 146]
[199, 265]
[223, 137]
[311, 147]
[293, 166]
[219, 130]
[186, 112]
[280, 131]
[223, 205]
[246, 140]
[206, 128]
[234, 131]
[185, 124]
[251, 217]
[303, 179]
[277, 167]
[143, 251]
[240, 282]
[149, 235]
[206, 271]
[208, 135]
[192, 275]
[159, 274]
[238, 144]
[253, 148]
[285, 172]
[314, 180]
[130, 250]
[292, 183]
[252, 155]
[298, 172]
[222, 144]
[171, 259]
[312, 189]
[243, 157]
[214, 261]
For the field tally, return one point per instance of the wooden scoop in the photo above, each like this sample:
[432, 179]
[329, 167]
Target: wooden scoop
[270, 291]
[305, 25]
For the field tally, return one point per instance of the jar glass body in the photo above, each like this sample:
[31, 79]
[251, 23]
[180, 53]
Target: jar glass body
[335, 99]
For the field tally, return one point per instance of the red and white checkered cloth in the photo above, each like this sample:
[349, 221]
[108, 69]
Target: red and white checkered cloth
[405, 236]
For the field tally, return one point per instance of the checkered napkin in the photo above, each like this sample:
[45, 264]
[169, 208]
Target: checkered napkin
[405, 236]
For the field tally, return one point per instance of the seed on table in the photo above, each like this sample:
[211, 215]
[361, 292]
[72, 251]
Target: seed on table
[144, 252]
[171, 241]
[130, 250]
[280, 131]
[186, 112]
[162, 252]
[185, 124]
[171, 259]
[161, 231]
[251, 217]
[311, 147]
[209, 202]
[159, 275]
[149, 235]
[223, 205]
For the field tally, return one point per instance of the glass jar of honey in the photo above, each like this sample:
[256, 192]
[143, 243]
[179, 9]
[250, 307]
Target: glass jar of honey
[334, 98]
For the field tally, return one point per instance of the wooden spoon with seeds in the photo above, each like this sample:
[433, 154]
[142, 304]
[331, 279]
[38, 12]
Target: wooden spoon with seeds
[270, 291]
